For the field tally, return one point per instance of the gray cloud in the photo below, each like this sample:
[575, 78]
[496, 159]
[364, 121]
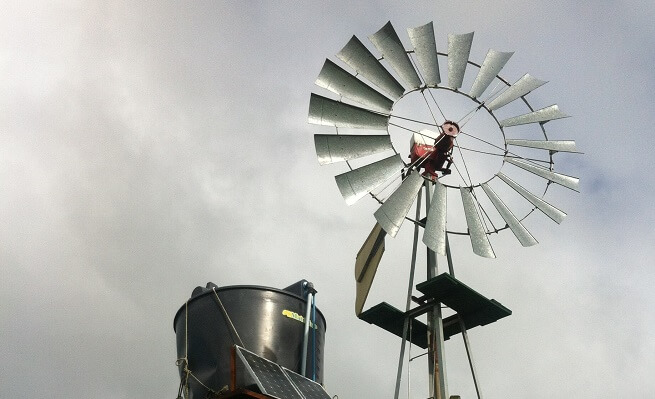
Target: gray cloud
[146, 149]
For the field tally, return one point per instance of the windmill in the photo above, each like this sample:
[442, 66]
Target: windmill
[365, 105]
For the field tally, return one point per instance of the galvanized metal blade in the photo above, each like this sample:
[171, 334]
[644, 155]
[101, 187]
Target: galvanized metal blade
[477, 232]
[339, 81]
[392, 213]
[331, 148]
[493, 63]
[542, 115]
[563, 180]
[386, 40]
[522, 234]
[425, 48]
[434, 235]
[550, 145]
[459, 47]
[328, 112]
[357, 56]
[366, 265]
[520, 88]
[356, 183]
[547, 209]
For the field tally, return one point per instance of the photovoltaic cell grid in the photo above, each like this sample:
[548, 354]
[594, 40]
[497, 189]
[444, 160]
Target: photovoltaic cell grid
[276, 381]
[269, 376]
[310, 389]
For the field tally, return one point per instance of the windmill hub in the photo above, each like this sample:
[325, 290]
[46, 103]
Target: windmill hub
[450, 128]
[471, 133]
[432, 151]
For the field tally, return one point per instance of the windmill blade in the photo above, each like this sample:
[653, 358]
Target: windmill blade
[547, 209]
[331, 148]
[366, 265]
[425, 48]
[550, 145]
[328, 112]
[541, 115]
[386, 40]
[459, 47]
[358, 182]
[434, 235]
[391, 214]
[493, 63]
[477, 232]
[339, 81]
[520, 88]
[358, 57]
[563, 180]
[522, 234]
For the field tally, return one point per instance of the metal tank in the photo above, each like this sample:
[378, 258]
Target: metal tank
[266, 321]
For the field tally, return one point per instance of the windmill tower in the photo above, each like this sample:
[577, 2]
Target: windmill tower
[363, 105]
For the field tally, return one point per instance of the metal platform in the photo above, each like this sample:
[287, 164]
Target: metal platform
[474, 309]
[391, 319]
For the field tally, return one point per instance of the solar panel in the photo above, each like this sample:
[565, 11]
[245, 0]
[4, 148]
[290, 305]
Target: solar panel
[308, 388]
[268, 376]
[275, 380]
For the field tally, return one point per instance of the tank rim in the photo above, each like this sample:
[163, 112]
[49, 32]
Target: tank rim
[246, 287]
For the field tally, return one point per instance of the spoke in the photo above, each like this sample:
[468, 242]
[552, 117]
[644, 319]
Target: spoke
[477, 108]
[403, 127]
[414, 120]
[482, 152]
[470, 183]
[501, 155]
[532, 160]
[379, 192]
[459, 173]
[493, 93]
[429, 91]
[514, 155]
[410, 130]
[484, 212]
[423, 91]
[428, 104]
[437, 104]
[469, 115]
[484, 141]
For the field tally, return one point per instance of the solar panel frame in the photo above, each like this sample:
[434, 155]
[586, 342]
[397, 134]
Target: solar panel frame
[269, 376]
[308, 389]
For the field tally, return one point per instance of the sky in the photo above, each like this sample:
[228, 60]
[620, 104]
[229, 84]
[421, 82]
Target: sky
[148, 148]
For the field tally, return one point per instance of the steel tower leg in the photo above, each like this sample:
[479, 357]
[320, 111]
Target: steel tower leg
[410, 289]
[436, 366]
[462, 326]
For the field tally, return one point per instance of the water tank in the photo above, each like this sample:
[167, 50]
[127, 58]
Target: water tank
[268, 321]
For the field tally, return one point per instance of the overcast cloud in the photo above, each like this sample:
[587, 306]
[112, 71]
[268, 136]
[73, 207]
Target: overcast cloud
[150, 147]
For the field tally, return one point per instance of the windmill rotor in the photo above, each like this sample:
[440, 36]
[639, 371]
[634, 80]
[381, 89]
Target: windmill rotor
[382, 108]
[364, 94]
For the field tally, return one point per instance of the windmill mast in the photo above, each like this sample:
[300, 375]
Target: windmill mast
[436, 363]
